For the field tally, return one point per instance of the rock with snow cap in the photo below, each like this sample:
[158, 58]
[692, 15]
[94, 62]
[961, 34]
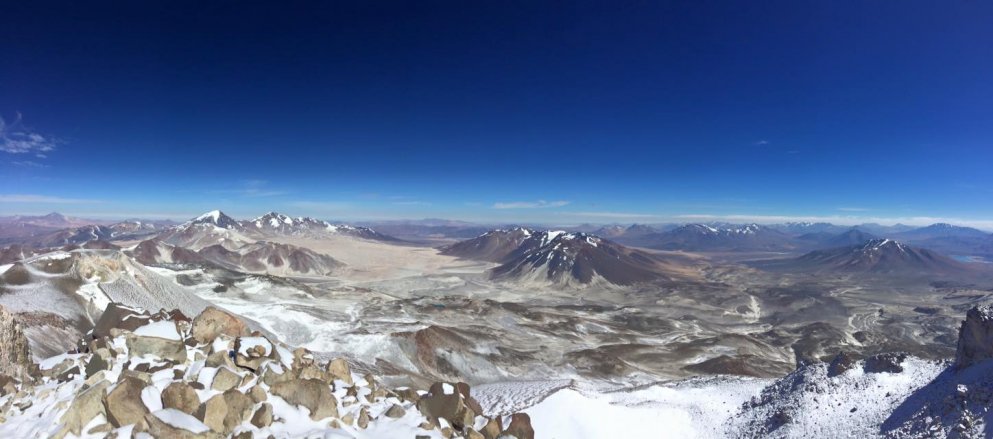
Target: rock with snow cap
[172, 423]
[313, 394]
[120, 316]
[169, 349]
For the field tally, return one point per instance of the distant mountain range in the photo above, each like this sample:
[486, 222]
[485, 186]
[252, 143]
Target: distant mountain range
[216, 228]
[564, 258]
[876, 256]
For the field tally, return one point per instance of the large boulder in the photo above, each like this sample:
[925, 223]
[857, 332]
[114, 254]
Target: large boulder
[313, 394]
[339, 370]
[123, 404]
[520, 426]
[162, 345]
[182, 397]
[225, 379]
[224, 412]
[85, 406]
[15, 357]
[172, 423]
[975, 337]
[263, 416]
[120, 316]
[213, 322]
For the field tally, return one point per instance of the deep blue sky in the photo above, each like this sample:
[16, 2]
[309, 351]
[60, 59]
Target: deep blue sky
[560, 112]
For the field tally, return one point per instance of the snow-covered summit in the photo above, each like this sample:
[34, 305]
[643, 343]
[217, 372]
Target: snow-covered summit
[215, 218]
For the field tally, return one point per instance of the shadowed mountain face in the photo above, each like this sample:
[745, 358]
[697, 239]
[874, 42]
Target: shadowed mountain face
[258, 257]
[877, 256]
[561, 258]
[492, 246]
[269, 257]
[940, 230]
[825, 240]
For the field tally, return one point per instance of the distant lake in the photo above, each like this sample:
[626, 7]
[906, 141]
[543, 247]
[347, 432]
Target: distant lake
[974, 259]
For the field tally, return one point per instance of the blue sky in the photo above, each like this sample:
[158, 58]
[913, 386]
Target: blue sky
[501, 111]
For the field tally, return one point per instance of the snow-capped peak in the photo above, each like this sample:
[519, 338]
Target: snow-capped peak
[213, 216]
[880, 244]
[273, 219]
[217, 218]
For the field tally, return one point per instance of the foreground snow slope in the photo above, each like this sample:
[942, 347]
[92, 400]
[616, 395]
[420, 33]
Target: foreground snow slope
[565, 410]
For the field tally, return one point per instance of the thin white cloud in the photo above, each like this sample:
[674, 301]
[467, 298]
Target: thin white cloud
[540, 204]
[411, 203]
[29, 164]
[761, 142]
[615, 215]
[321, 206]
[16, 139]
[33, 198]
[853, 209]
[252, 189]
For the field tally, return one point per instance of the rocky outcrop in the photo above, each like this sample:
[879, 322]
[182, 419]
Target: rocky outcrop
[975, 342]
[15, 356]
[168, 377]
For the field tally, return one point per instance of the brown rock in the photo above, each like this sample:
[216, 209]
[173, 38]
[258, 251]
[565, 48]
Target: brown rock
[172, 350]
[520, 426]
[224, 412]
[313, 394]
[182, 397]
[218, 359]
[121, 317]
[8, 385]
[85, 406]
[364, 418]
[100, 360]
[302, 357]
[263, 416]
[339, 370]
[213, 322]
[445, 401]
[408, 394]
[159, 429]
[492, 428]
[123, 405]
[225, 379]
[257, 393]
[395, 411]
